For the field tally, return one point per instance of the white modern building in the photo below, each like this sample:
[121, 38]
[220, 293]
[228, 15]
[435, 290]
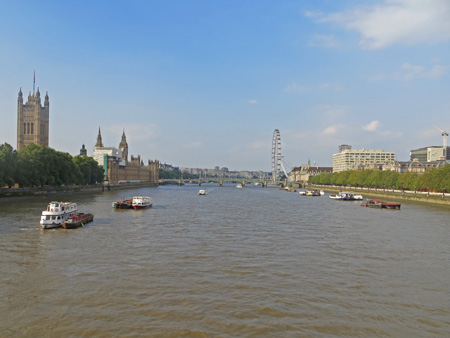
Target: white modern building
[99, 154]
[349, 158]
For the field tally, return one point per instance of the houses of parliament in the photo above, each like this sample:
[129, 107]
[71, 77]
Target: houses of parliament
[32, 120]
[33, 127]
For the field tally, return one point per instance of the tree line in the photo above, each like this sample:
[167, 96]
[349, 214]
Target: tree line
[175, 174]
[37, 165]
[433, 179]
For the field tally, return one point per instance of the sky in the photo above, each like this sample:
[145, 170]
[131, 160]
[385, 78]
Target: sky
[205, 83]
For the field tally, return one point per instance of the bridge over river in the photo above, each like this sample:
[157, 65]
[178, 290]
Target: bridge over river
[221, 181]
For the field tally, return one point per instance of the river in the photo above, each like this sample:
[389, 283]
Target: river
[251, 262]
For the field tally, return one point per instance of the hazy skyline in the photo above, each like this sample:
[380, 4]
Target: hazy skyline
[205, 83]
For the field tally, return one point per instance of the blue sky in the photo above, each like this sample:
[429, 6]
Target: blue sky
[205, 83]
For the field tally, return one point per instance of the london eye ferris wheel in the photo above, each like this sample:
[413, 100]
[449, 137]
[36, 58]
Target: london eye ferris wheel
[276, 155]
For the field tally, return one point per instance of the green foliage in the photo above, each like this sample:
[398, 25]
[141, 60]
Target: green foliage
[8, 165]
[89, 171]
[434, 179]
[37, 165]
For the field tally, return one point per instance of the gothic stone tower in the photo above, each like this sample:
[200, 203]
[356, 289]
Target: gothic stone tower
[32, 120]
[123, 145]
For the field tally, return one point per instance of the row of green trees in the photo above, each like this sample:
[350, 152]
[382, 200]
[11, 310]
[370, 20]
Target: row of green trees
[433, 179]
[36, 165]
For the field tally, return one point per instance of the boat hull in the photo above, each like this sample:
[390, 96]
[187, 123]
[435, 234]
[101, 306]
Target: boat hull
[381, 205]
[77, 221]
[139, 207]
[125, 204]
[141, 202]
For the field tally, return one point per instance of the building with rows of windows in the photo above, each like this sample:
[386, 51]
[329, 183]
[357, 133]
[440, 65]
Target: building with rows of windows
[349, 158]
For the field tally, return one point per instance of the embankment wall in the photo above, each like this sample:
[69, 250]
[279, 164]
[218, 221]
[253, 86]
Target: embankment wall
[419, 196]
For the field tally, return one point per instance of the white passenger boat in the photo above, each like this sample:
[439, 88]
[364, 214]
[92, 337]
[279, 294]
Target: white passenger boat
[202, 192]
[141, 202]
[239, 185]
[346, 196]
[57, 213]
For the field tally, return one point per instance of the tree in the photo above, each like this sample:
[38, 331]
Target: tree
[8, 165]
[39, 165]
[88, 170]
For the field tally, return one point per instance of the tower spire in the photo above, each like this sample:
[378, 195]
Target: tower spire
[99, 139]
[34, 80]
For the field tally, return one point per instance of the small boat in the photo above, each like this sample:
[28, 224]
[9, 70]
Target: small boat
[77, 220]
[202, 192]
[313, 193]
[322, 192]
[239, 185]
[57, 213]
[381, 204]
[358, 197]
[344, 196]
[123, 204]
[302, 192]
[141, 202]
[290, 189]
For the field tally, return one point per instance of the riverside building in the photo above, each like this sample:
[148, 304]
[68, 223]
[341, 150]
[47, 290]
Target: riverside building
[349, 158]
[118, 169]
[429, 154]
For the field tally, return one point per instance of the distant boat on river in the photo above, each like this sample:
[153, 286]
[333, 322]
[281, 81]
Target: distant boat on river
[381, 204]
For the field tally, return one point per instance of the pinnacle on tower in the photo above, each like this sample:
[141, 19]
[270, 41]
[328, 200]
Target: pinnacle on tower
[99, 139]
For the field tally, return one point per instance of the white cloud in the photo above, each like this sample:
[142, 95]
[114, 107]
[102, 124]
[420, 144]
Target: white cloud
[409, 72]
[252, 101]
[294, 87]
[311, 14]
[372, 126]
[319, 40]
[406, 22]
[331, 130]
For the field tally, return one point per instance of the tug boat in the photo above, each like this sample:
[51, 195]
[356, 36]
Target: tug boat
[77, 220]
[123, 204]
[57, 213]
[141, 202]
[381, 204]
